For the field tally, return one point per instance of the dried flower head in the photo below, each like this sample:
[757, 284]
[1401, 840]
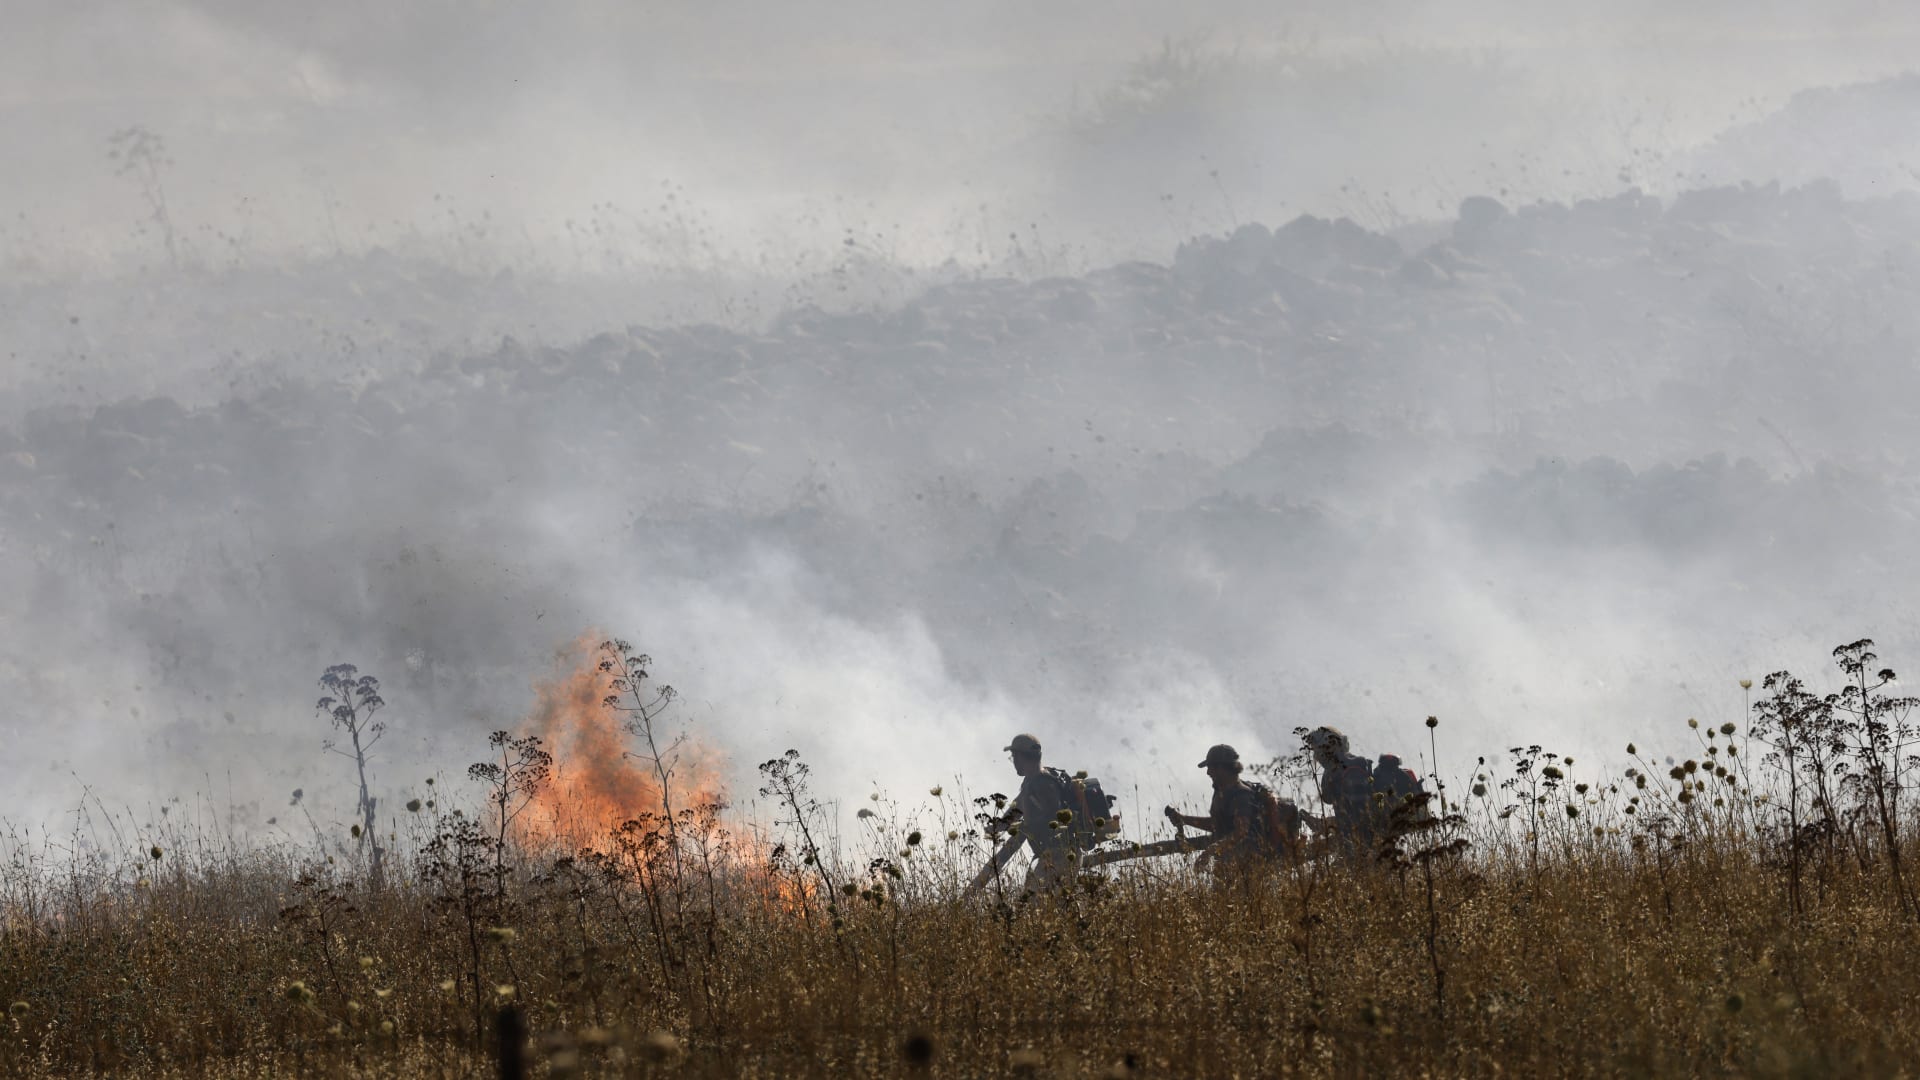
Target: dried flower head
[154, 853]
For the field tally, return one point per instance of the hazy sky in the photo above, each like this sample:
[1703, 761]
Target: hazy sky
[358, 123]
[374, 357]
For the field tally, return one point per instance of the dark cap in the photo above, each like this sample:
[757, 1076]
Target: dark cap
[1023, 744]
[1221, 754]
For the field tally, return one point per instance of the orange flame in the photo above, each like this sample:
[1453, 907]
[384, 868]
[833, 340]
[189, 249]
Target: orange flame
[597, 781]
[601, 778]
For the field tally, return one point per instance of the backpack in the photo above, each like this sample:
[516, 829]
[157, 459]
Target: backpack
[1398, 782]
[1094, 818]
[1278, 826]
[1396, 779]
[1349, 788]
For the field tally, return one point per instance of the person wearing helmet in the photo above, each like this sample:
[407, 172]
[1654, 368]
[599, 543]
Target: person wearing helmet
[1346, 786]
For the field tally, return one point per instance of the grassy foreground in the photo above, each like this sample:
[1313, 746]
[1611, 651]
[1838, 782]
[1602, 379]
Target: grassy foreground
[1607, 965]
[1748, 911]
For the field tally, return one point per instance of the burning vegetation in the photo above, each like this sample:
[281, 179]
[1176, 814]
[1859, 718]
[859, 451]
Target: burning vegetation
[589, 717]
[1747, 909]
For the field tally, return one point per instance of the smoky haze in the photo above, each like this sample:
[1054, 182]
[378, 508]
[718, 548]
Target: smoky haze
[901, 376]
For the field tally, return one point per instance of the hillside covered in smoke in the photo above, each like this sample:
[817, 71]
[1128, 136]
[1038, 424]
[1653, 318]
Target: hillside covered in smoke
[1549, 471]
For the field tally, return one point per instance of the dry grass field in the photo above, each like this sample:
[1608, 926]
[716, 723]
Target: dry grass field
[1747, 910]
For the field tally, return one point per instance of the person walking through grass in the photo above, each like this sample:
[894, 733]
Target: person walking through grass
[1361, 795]
[1034, 822]
[1247, 826]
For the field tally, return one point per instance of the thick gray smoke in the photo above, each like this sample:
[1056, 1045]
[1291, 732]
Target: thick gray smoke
[1145, 378]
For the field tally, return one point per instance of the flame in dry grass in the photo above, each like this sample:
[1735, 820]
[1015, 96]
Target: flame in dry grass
[597, 781]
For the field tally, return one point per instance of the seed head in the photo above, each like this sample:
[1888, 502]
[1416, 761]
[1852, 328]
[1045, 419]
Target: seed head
[446, 986]
[366, 963]
[1631, 750]
[1692, 723]
[355, 831]
[504, 992]
[154, 853]
[934, 791]
[299, 993]
[1433, 721]
[1746, 684]
[18, 1008]
[913, 838]
[1479, 790]
[386, 1027]
[413, 806]
[953, 834]
[502, 934]
[1727, 728]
